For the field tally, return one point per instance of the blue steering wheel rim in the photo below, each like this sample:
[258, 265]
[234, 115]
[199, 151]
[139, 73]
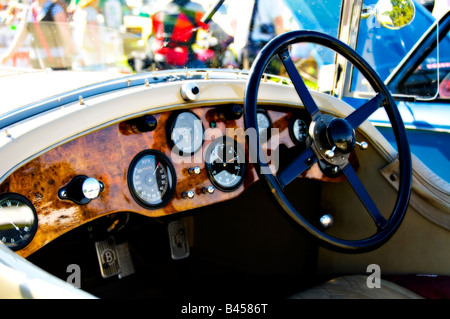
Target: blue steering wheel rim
[279, 46]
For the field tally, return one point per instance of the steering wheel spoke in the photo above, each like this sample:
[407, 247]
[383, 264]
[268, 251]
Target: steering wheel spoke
[364, 196]
[357, 117]
[300, 164]
[298, 83]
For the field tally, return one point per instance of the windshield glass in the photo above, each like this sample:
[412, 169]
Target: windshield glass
[135, 36]
[385, 48]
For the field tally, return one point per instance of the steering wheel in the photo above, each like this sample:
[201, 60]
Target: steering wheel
[332, 140]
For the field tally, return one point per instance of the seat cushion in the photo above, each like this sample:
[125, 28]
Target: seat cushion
[355, 287]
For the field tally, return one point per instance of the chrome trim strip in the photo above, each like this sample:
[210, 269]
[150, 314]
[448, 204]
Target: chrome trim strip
[412, 127]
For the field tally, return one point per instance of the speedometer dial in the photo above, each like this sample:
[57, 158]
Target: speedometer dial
[18, 220]
[151, 179]
[225, 163]
[186, 133]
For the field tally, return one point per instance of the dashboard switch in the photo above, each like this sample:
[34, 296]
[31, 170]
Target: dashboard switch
[145, 123]
[189, 194]
[91, 188]
[194, 170]
[208, 190]
[231, 113]
[81, 190]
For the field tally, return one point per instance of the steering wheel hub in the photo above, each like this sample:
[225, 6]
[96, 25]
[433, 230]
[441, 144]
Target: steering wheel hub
[333, 139]
[341, 135]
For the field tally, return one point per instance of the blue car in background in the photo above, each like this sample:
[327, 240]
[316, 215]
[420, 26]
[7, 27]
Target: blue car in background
[425, 74]
[415, 70]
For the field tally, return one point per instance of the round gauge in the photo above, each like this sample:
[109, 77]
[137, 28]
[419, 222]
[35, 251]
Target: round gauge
[264, 125]
[186, 133]
[298, 131]
[225, 163]
[18, 221]
[151, 179]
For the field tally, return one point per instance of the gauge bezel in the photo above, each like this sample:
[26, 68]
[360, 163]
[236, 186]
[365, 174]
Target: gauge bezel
[291, 129]
[243, 169]
[269, 129]
[169, 129]
[34, 227]
[169, 166]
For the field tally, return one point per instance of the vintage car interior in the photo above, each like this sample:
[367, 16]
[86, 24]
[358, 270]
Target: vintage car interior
[200, 182]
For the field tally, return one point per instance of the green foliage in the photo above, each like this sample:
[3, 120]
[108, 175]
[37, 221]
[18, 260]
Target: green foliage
[402, 13]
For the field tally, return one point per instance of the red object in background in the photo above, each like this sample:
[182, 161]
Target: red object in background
[444, 87]
[205, 55]
[175, 44]
[20, 58]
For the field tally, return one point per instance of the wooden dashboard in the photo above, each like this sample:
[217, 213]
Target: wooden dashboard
[106, 155]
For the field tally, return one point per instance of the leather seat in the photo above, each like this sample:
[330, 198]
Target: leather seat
[355, 287]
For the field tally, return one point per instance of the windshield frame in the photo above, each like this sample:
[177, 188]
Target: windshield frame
[346, 90]
[349, 22]
[427, 43]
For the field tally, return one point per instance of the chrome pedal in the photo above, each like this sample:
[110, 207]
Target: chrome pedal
[179, 245]
[126, 263]
[108, 258]
[114, 259]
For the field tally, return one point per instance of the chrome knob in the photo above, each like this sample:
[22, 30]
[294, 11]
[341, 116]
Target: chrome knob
[91, 188]
[363, 145]
[326, 221]
[330, 153]
[208, 190]
[189, 194]
[194, 170]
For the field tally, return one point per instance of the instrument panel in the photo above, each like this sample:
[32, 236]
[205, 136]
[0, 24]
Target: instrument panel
[154, 165]
[208, 142]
